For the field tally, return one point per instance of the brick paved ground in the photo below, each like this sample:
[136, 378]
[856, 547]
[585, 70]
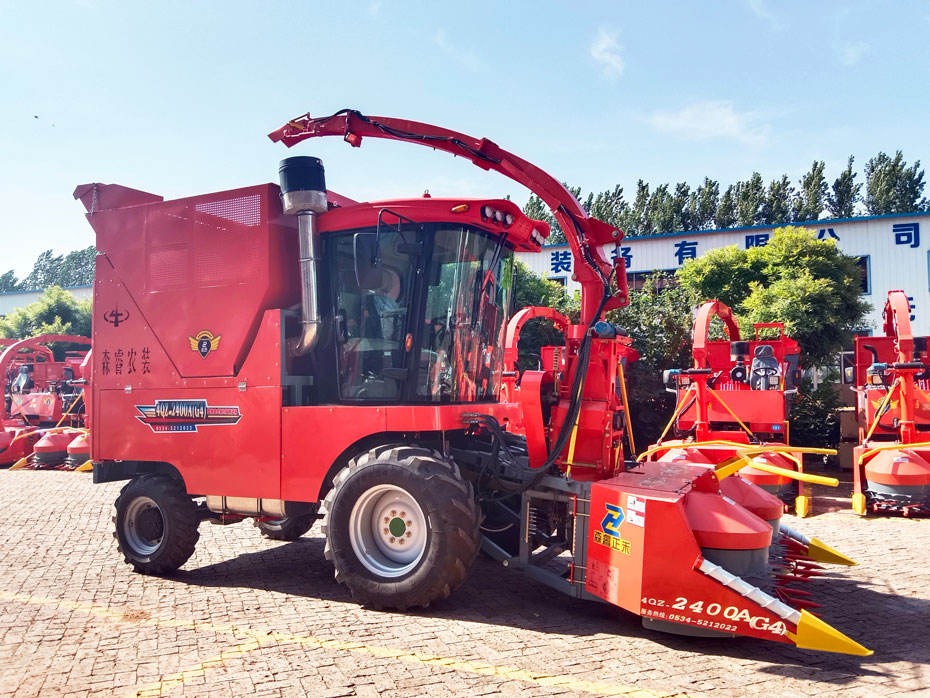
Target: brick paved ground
[247, 616]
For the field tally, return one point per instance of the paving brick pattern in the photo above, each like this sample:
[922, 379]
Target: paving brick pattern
[248, 616]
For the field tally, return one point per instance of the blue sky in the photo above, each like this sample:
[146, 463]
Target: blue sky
[176, 98]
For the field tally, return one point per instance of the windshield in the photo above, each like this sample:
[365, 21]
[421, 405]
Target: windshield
[469, 279]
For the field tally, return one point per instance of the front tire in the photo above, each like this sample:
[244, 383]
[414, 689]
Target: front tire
[288, 528]
[401, 527]
[156, 524]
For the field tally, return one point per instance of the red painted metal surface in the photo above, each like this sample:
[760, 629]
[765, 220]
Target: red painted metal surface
[648, 564]
[893, 412]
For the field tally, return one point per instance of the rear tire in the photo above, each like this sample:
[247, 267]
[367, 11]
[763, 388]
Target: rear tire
[156, 524]
[401, 527]
[288, 528]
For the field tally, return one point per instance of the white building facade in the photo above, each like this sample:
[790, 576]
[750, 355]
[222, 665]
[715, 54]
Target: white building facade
[893, 253]
[12, 300]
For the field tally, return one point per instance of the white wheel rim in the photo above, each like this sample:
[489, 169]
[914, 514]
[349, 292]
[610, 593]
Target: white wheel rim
[140, 526]
[388, 531]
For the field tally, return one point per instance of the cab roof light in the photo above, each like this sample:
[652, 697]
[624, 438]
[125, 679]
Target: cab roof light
[461, 208]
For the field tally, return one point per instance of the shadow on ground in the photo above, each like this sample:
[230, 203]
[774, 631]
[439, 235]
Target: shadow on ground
[505, 598]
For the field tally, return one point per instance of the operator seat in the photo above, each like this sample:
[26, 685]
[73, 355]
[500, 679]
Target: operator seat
[764, 373]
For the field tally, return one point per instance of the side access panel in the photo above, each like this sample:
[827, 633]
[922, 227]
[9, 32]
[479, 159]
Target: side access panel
[642, 556]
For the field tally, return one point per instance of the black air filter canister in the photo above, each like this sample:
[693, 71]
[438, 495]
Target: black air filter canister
[303, 184]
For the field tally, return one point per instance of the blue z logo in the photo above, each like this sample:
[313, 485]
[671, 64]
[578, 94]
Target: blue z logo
[610, 524]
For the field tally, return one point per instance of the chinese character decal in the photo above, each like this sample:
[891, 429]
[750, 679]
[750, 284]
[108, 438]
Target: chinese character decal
[685, 250]
[560, 260]
[824, 233]
[757, 240]
[624, 252]
[906, 234]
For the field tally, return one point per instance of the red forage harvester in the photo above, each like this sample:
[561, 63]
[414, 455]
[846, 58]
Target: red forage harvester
[891, 468]
[299, 355]
[43, 407]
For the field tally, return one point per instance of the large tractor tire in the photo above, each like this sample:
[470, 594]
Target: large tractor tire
[287, 528]
[156, 524]
[401, 527]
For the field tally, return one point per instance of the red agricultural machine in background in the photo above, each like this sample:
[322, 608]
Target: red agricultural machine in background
[738, 394]
[42, 419]
[297, 354]
[891, 471]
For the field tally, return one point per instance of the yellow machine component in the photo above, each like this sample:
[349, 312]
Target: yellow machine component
[858, 504]
[743, 455]
[85, 468]
[821, 552]
[21, 463]
[813, 634]
[802, 506]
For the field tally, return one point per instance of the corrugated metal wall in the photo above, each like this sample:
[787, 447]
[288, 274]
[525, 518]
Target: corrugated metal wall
[896, 251]
[18, 299]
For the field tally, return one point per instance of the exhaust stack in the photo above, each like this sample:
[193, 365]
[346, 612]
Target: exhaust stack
[303, 190]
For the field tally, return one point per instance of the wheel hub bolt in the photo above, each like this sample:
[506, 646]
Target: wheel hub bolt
[408, 534]
[392, 539]
[401, 541]
[386, 531]
[386, 519]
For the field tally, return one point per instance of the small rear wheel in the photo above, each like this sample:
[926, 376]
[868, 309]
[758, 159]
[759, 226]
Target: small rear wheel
[287, 528]
[156, 524]
[401, 527]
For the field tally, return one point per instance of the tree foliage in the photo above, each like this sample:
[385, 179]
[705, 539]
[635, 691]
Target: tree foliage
[73, 269]
[658, 318]
[530, 289]
[814, 418]
[842, 200]
[812, 194]
[749, 197]
[806, 283]
[893, 187]
[55, 312]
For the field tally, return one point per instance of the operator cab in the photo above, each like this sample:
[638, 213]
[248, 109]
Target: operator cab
[419, 296]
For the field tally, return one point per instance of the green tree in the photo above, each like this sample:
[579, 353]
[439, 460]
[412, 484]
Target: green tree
[639, 223]
[680, 207]
[8, 282]
[893, 187]
[658, 318]
[842, 200]
[725, 215]
[530, 289]
[609, 206]
[812, 194]
[776, 208]
[749, 197]
[704, 205]
[661, 211]
[55, 312]
[74, 269]
[806, 283]
[814, 419]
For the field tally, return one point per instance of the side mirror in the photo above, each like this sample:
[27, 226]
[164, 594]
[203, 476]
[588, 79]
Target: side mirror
[368, 272]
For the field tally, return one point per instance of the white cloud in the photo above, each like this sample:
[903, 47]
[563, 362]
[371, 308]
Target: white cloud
[702, 121]
[468, 59]
[761, 10]
[606, 51]
[849, 54]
